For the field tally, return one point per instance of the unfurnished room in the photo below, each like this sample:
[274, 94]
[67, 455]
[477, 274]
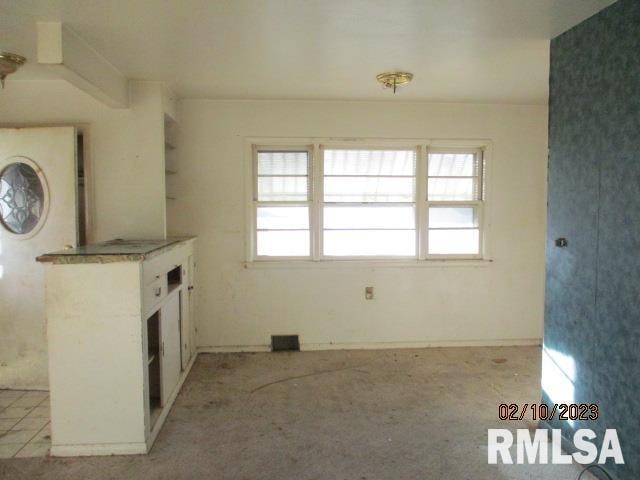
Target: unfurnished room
[320, 239]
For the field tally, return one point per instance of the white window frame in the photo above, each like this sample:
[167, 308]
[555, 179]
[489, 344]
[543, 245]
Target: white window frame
[316, 178]
[478, 204]
[386, 145]
[257, 203]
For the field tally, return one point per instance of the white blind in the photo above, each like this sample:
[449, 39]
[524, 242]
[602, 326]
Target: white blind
[364, 176]
[282, 176]
[454, 177]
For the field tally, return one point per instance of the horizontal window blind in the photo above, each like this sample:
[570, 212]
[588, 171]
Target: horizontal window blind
[454, 197]
[369, 202]
[282, 196]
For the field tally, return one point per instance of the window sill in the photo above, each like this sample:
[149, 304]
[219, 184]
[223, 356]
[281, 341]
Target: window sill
[368, 263]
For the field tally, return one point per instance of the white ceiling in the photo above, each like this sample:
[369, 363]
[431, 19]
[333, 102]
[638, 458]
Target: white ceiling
[459, 50]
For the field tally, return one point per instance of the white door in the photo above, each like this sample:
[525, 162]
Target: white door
[37, 215]
[170, 339]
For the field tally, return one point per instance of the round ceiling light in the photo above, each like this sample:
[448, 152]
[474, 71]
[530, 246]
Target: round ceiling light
[394, 79]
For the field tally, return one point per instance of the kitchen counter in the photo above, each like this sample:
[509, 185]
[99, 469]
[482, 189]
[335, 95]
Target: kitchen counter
[117, 250]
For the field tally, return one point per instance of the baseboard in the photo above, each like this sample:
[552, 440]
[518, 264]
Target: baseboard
[83, 450]
[516, 342]
[234, 348]
[431, 344]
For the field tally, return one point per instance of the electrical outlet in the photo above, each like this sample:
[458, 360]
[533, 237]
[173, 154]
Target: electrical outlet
[368, 293]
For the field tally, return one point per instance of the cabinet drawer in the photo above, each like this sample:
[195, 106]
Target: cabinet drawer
[154, 292]
[152, 272]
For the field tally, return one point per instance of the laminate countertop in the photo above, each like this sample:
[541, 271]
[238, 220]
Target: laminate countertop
[117, 250]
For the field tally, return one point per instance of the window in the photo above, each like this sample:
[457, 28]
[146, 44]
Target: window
[454, 202]
[321, 202]
[282, 198]
[369, 202]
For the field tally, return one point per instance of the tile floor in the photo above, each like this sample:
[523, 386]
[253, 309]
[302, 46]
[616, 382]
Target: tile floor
[24, 423]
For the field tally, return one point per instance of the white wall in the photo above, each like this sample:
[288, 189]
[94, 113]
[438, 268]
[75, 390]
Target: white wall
[239, 308]
[126, 150]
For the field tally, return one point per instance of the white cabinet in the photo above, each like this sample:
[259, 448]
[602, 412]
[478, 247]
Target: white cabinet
[120, 336]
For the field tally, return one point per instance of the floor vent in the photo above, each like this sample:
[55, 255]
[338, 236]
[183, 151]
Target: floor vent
[285, 343]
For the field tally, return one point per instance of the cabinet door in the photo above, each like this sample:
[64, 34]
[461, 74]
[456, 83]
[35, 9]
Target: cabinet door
[185, 318]
[170, 337]
[190, 301]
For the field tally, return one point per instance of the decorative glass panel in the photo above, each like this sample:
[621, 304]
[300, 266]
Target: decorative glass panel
[370, 242]
[21, 198]
[452, 242]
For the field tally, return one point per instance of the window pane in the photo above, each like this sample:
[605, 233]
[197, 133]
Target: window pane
[283, 218]
[369, 217]
[452, 217]
[453, 189]
[283, 163]
[282, 189]
[454, 242]
[369, 162]
[283, 243]
[453, 165]
[368, 189]
[370, 242]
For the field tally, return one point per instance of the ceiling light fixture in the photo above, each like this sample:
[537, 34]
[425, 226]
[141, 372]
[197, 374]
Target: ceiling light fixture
[9, 63]
[393, 79]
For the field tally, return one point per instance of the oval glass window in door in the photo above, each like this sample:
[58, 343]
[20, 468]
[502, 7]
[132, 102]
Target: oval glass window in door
[22, 198]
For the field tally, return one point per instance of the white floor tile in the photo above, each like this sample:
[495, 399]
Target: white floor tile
[34, 423]
[40, 412]
[26, 401]
[17, 436]
[34, 450]
[11, 394]
[43, 436]
[9, 450]
[15, 412]
[5, 402]
[7, 424]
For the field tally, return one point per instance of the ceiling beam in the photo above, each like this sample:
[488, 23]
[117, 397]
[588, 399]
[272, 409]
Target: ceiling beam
[77, 62]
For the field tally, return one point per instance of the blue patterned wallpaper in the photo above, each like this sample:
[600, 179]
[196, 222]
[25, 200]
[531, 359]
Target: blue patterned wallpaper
[592, 314]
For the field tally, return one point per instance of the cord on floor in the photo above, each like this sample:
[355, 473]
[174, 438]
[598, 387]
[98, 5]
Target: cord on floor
[594, 466]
